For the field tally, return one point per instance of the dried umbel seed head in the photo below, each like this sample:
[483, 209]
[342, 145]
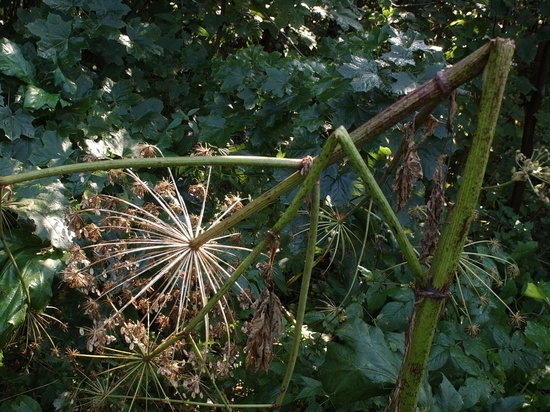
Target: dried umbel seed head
[197, 191]
[165, 188]
[146, 150]
[93, 203]
[513, 271]
[517, 320]
[202, 149]
[473, 330]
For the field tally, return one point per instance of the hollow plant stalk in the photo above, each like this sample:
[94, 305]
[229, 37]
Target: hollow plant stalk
[304, 289]
[382, 203]
[430, 299]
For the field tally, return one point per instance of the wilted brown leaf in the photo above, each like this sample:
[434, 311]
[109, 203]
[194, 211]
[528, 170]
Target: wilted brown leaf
[434, 208]
[453, 108]
[264, 327]
[409, 171]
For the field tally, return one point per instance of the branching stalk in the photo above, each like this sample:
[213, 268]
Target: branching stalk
[385, 208]
[318, 166]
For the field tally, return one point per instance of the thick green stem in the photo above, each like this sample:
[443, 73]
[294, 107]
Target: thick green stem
[385, 208]
[177, 161]
[306, 278]
[427, 309]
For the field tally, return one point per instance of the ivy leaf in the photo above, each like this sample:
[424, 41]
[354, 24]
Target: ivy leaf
[16, 124]
[56, 42]
[36, 98]
[12, 62]
[360, 365]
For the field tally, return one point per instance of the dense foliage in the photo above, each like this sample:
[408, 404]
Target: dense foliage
[83, 81]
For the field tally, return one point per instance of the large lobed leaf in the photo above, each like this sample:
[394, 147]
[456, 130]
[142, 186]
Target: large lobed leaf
[360, 365]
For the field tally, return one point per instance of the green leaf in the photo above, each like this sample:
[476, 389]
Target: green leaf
[234, 74]
[509, 404]
[447, 397]
[474, 390]
[36, 98]
[393, 315]
[524, 250]
[56, 43]
[363, 73]
[360, 365]
[338, 186]
[439, 355]
[140, 40]
[37, 275]
[16, 124]
[106, 7]
[540, 291]
[46, 206]
[63, 5]
[12, 62]
[277, 82]
[539, 334]
[68, 85]
[461, 361]
[55, 152]
[312, 388]
[22, 403]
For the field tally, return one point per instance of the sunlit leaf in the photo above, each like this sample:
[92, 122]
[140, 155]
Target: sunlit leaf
[36, 98]
[37, 274]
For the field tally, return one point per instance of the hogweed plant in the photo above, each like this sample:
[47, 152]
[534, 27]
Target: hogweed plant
[151, 272]
[134, 262]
